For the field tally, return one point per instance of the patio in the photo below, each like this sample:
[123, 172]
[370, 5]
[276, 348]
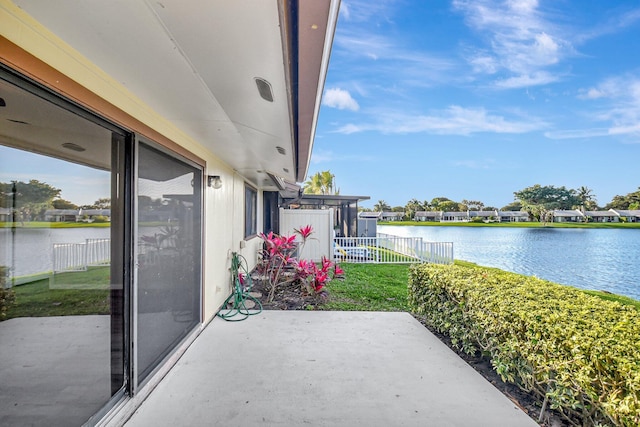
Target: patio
[324, 368]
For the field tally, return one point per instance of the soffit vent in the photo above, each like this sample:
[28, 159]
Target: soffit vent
[264, 88]
[73, 147]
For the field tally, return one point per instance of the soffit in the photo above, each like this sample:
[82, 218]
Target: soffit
[195, 63]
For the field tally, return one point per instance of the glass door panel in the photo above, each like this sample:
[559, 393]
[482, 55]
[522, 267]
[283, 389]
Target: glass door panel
[168, 259]
[62, 358]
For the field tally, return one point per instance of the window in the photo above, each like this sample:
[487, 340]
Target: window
[250, 211]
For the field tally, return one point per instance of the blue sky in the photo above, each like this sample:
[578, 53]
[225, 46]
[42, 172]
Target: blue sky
[80, 184]
[475, 99]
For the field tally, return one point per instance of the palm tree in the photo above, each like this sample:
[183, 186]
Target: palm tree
[321, 183]
[381, 206]
[586, 197]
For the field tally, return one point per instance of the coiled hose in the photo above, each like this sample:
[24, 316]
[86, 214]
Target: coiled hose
[242, 284]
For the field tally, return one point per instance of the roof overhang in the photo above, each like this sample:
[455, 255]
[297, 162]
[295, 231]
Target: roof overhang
[206, 67]
[324, 200]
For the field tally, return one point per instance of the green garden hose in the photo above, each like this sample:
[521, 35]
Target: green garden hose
[242, 284]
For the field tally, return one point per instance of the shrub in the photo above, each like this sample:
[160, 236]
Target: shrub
[7, 295]
[574, 351]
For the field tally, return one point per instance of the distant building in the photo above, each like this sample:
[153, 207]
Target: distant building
[602, 216]
[370, 215]
[572, 215]
[432, 216]
[485, 215]
[513, 216]
[61, 215]
[392, 216]
[455, 217]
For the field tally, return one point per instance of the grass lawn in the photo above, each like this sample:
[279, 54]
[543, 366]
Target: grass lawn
[383, 287]
[517, 224]
[366, 287]
[73, 294]
[370, 287]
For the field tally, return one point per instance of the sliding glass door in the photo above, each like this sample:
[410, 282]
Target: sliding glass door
[62, 302]
[100, 258]
[168, 259]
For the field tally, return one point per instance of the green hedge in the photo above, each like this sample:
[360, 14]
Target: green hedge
[577, 351]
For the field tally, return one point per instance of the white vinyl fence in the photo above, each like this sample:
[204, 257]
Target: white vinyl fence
[390, 249]
[80, 256]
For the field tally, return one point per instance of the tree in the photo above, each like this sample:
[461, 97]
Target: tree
[630, 201]
[435, 203]
[321, 183]
[587, 199]
[539, 200]
[449, 206]
[63, 204]
[381, 206]
[473, 205]
[513, 206]
[103, 203]
[28, 198]
[412, 207]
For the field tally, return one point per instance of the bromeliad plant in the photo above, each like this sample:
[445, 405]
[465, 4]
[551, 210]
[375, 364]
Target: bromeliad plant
[280, 266]
[313, 278]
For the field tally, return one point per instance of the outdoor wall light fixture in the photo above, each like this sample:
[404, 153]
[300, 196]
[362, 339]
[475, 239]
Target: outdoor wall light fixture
[214, 181]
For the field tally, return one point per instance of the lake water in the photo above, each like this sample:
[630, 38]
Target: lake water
[34, 246]
[599, 259]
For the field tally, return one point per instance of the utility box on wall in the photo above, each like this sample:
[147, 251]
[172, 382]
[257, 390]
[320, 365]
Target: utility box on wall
[320, 243]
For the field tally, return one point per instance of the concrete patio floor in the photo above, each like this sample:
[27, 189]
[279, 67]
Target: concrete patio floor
[324, 368]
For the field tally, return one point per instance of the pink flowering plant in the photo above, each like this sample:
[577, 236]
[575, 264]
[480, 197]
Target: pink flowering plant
[280, 267]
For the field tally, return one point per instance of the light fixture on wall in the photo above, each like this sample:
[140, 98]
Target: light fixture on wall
[214, 181]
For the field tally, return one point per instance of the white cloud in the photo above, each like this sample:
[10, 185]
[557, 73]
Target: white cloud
[340, 99]
[536, 79]
[483, 63]
[345, 11]
[454, 120]
[617, 23]
[619, 99]
[577, 133]
[366, 10]
[521, 41]
[375, 57]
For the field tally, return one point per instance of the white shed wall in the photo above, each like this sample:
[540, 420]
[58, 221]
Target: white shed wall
[321, 241]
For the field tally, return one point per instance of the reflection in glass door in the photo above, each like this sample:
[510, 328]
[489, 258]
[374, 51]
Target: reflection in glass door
[61, 314]
[168, 259]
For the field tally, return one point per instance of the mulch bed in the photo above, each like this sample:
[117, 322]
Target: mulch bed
[286, 297]
[291, 298]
